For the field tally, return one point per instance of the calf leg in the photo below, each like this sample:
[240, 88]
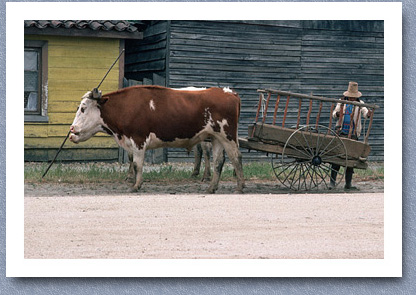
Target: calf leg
[218, 162]
[138, 162]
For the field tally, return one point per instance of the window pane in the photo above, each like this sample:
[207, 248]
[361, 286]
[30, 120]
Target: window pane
[31, 101]
[31, 81]
[31, 60]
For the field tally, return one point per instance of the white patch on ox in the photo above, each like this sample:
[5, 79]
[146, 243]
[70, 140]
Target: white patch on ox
[152, 105]
[223, 123]
[153, 142]
[190, 88]
[227, 90]
[208, 117]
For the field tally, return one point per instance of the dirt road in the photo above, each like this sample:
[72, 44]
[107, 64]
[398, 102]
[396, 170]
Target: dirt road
[180, 221]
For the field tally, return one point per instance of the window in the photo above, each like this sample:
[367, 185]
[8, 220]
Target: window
[36, 81]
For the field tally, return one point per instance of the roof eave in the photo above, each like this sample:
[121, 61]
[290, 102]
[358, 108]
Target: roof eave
[83, 33]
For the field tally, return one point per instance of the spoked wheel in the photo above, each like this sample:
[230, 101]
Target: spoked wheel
[305, 163]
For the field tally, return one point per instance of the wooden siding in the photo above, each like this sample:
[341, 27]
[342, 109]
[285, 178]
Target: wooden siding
[299, 56]
[75, 66]
[147, 57]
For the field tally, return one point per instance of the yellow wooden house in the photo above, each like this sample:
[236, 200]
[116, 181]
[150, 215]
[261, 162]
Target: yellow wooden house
[64, 60]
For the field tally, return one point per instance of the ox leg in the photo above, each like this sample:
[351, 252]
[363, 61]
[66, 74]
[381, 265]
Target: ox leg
[235, 157]
[218, 162]
[206, 152]
[138, 162]
[197, 162]
[131, 173]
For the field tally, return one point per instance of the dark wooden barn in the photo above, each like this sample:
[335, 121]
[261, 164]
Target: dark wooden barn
[318, 57]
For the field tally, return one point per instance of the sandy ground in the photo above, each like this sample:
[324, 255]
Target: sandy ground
[179, 220]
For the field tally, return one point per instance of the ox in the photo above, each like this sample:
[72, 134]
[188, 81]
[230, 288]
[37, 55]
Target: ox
[150, 117]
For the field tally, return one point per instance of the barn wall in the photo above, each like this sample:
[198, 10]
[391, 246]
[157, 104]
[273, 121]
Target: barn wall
[76, 65]
[147, 57]
[318, 57]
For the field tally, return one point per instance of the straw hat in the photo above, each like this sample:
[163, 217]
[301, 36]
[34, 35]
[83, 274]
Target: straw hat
[352, 90]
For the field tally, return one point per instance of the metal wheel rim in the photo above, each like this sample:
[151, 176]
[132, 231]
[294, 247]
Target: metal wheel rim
[310, 172]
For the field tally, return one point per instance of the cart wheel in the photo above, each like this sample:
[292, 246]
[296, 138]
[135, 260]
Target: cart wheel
[305, 162]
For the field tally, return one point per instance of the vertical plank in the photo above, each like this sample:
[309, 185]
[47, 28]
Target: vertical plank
[309, 112]
[285, 113]
[318, 115]
[369, 126]
[330, 118]
[261, 96]
[275, 109]
[299, 110]
[267, 106]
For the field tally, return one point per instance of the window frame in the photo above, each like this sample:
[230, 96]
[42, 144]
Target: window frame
[42, 115]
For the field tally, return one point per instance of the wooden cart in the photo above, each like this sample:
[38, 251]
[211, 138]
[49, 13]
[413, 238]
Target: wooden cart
[304, 145]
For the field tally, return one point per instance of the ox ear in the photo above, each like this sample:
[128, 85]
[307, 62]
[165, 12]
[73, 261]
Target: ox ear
[102, 100]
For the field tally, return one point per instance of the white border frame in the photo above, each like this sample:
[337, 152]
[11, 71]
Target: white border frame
[390, 266]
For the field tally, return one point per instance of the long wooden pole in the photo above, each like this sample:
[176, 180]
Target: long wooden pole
[56, 155]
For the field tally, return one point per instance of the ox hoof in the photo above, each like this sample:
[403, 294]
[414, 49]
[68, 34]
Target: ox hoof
[211, 190]
[134, 189]
[130, 177]
[206, 179]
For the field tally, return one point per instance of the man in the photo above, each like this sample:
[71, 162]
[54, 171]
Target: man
[350, 112]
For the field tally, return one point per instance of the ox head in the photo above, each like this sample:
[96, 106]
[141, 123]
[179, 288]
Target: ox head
[88, 120]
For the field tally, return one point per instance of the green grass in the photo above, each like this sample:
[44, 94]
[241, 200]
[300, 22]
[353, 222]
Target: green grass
[102, 172]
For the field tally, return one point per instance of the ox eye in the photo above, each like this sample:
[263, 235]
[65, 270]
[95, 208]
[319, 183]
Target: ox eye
[82, 110]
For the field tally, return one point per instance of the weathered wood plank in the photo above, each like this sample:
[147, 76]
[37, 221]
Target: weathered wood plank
[77, 73]
[91, 52]
[79, 41]
[55, 142]
[80, 62]
[280, 135]
[267, 47]
[278, 149]
[90, 154]
[147, 56]
[36, 130]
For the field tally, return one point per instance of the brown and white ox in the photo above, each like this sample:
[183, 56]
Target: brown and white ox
[150, 117]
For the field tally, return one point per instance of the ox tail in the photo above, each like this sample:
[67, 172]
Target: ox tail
[238, 115]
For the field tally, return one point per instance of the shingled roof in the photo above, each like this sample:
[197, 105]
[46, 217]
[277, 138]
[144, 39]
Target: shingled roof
[91, 28]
